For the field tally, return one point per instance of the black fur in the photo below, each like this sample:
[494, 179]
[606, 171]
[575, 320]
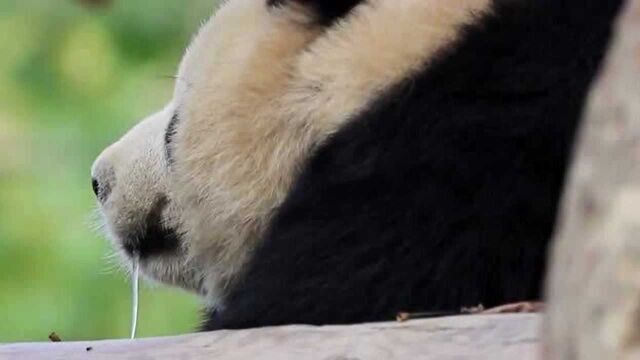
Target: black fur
[328, 11]
[442, 195]
[169, 134]
[153, 238]
[102, 190]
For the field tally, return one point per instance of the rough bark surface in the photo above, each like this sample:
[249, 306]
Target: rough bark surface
[594, 283]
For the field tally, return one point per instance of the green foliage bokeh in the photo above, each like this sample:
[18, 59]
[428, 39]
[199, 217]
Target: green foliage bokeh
[72, 80]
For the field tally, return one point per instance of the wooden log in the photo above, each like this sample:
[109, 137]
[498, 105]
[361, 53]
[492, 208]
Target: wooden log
[594, 283]
[492, 337]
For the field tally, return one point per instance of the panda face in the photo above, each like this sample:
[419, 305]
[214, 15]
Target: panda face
[130, 182]
[133, 177]
[263, 84]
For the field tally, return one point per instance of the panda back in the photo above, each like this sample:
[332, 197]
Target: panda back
[442, 192]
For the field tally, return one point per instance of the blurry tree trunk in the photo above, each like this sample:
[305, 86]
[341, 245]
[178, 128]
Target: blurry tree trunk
[594, 282]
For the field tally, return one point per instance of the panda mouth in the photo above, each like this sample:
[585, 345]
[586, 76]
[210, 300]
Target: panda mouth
[153, 237]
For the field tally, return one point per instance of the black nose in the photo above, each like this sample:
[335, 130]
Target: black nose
[102, 189]
[103, 179]
[95, 186]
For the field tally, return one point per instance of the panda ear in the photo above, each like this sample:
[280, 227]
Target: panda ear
[326, 11]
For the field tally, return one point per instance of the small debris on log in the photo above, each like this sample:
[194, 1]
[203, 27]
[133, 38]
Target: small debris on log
[54, 337]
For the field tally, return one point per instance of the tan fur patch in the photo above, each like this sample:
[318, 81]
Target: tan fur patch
[258, 92]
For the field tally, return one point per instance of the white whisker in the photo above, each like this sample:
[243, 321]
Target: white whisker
[135, 280]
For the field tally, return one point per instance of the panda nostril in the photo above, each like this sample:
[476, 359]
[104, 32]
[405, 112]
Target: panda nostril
[103, 179]
[95, 186]
[102, 189]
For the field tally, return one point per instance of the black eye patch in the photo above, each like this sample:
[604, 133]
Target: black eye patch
[328, 11]
[169, 134]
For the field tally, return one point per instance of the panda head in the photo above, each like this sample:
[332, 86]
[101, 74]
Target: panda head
[191, 189]
[147, 206]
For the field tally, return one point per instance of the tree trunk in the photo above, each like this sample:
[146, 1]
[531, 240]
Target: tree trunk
[594, 281]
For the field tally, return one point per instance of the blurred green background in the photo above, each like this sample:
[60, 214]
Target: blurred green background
[73, 78]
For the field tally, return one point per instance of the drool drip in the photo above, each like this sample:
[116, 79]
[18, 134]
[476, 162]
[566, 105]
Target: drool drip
[135, 278]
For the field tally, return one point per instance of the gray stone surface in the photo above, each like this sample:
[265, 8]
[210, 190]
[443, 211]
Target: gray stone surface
[492, 337]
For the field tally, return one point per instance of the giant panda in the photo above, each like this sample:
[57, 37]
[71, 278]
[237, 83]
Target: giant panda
[336, 162]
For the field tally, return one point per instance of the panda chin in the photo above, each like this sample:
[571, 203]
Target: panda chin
[172, 270]
[157, 246]
[166, 263]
